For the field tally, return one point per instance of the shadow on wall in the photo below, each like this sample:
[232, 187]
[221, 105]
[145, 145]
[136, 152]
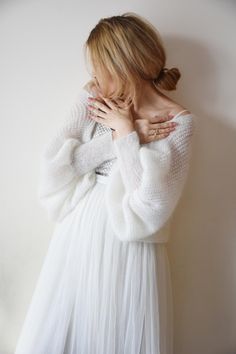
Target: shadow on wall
[202, 246]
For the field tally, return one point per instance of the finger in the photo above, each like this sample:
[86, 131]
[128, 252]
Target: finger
[97, 114]
[97, 119]
[161, 136]
[162, 118]
[110, 103]
[151, 138]
[97, 111]
[163, 125]
[118, 102]
[100, 120]
[161, 131]
[100, 105]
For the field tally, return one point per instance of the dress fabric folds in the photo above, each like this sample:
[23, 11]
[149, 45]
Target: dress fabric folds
[96, 294]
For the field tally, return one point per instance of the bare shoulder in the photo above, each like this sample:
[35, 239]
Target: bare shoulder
[177, 109]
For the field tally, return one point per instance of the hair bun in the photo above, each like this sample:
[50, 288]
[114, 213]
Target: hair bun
[161, 73]
[167, 78]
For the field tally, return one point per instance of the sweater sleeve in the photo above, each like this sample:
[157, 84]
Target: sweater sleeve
[153, 176]
[67, 162]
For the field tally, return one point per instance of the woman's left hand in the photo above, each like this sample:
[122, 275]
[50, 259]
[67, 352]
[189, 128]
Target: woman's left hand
[111, 115]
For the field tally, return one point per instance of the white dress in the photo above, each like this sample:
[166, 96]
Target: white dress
[96, 294]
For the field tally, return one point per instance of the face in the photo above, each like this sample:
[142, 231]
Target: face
[101, 81]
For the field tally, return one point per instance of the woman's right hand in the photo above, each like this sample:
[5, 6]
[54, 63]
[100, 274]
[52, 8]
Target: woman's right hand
[152, 131]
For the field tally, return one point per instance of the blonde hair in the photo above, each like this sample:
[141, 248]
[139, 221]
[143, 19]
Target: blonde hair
[129, 49]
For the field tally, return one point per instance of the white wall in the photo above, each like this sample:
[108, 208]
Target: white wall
[42, 68]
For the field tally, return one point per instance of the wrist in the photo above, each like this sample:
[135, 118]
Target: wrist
[123, 131]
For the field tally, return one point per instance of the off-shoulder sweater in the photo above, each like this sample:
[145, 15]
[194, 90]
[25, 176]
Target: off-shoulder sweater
[145, 182]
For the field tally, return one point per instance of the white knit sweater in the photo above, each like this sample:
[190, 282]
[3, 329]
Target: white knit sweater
[145, 180]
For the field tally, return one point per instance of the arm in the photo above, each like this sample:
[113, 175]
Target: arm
[89, 155]
[152, 178]
[67, 163]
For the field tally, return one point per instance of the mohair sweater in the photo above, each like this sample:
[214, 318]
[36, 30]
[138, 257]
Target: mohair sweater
[145, 182]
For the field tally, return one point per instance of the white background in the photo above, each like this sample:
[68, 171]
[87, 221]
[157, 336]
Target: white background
[42, 68]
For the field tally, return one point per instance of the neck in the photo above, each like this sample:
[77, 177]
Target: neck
[149, 100]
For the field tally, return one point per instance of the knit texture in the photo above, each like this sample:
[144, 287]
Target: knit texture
[105, 167]
[68, 160]
[153, 177]
[145, 180]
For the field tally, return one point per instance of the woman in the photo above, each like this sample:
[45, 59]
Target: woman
[111, 178]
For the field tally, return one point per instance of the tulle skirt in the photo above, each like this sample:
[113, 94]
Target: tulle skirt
[96, 294]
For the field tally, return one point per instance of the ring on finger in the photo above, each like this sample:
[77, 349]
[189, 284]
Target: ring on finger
[156, 132]
[95, 111]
